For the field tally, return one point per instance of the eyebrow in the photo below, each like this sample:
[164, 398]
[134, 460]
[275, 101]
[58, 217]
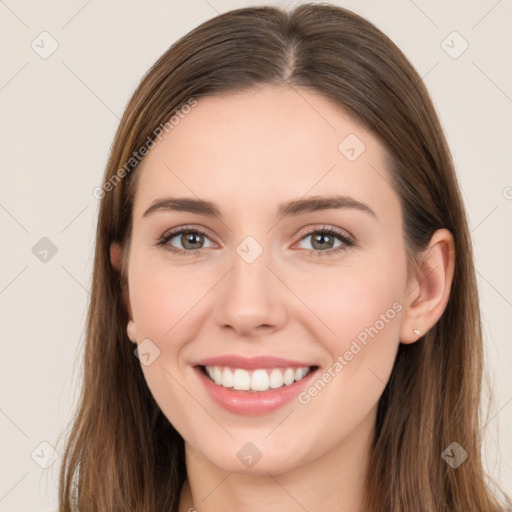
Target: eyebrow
[291, 208]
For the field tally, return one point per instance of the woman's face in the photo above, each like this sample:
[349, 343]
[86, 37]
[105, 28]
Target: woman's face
[263, 279]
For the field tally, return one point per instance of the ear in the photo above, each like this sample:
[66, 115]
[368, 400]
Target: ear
[116, 258]
[429, 287]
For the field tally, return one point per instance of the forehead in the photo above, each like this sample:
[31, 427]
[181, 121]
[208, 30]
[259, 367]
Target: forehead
[264, 146]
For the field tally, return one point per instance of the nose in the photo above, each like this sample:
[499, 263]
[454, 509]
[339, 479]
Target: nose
[251, 300]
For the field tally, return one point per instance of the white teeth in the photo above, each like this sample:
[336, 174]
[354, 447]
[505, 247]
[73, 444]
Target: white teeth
[228, 379]
[260, 380]
[217, 375]
[256, 380]
[276, 378]
[299, 373]
[289, 376]
[241, 380]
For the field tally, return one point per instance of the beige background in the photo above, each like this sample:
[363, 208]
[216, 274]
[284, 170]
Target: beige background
[58, 118]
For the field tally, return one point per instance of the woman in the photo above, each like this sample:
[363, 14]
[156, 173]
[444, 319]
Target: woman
[282, 240]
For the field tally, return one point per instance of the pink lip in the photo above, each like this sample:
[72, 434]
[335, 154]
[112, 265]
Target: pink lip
[250, 363]
[251, 404]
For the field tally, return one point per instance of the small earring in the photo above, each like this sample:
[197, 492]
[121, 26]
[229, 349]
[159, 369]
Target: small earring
[130, 330]
[417, 332]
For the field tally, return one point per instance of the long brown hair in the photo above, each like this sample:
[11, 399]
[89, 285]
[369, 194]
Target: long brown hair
[122, 453]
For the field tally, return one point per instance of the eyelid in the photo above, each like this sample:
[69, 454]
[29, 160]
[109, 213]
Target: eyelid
[325, 227]
[185, 228]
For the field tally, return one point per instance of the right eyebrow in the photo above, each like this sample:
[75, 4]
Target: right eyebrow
[183, 204]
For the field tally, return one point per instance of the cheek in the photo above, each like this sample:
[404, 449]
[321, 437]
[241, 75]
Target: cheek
[348, 302]
[162, 298]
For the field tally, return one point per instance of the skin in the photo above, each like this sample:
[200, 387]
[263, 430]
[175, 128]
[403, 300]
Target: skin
[248, 152]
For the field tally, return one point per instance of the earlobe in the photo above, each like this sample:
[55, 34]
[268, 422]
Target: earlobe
[429, 289]
[131, 331]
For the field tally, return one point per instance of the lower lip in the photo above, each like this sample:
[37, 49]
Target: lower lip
[251, 404]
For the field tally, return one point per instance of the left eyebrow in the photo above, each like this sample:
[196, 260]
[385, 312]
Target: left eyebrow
[315, 203]
[291, 208]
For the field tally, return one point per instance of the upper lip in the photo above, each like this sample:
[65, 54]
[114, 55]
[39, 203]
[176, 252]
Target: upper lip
[251, 363]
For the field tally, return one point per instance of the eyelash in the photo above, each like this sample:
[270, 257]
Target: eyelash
[347, 242]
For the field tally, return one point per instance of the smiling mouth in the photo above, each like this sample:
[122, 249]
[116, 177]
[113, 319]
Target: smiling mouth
[257, 380]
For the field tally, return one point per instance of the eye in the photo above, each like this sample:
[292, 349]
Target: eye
[191, 241]
[323, 241]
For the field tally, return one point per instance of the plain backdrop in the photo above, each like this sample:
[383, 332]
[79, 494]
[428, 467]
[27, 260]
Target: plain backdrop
[59, 112]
